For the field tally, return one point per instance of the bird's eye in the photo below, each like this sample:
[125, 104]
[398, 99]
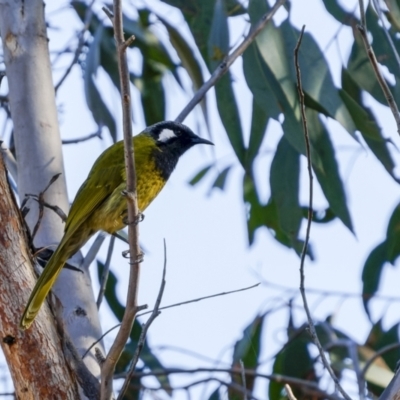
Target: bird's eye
[165, 135]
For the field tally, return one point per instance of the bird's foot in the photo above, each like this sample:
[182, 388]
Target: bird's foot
[139, 257]
[139, 218]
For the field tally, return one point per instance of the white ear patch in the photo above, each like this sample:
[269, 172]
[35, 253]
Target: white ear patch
[165, 135]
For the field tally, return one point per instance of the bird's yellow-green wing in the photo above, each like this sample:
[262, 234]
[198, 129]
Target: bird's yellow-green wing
[107, 173]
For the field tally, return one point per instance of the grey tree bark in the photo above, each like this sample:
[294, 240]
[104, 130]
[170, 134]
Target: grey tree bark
[39, 158]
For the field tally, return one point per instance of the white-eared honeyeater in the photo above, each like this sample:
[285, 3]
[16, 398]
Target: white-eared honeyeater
[100, 204]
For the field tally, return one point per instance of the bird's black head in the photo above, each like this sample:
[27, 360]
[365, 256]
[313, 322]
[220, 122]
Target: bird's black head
[172, 140]
[174, 136]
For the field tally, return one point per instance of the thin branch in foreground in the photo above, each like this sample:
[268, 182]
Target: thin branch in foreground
[81, 42]
[362, 28]
[224, 66]
[311, 325]
[84, 138]
[155, 313]
[170, 306]
[106, 271]
[131, 307]
[93, 251]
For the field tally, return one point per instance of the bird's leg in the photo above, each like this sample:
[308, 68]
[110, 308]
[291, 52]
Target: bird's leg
[139, 257]
[139, 218]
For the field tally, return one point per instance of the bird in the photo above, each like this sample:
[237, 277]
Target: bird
[100, 205]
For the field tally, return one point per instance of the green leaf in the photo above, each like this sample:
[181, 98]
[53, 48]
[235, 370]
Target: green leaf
[380, 43]
[337, 12]
[379, 338]
[379, 372]
[215, 395]
[188, 60]
[229, 113]
[360, 70]
[100, 111]
[393, 14]
[320, 216]
[371, 273]
[386, 252]
[200, 175]
[259, 121]
[328, 173]
[218, 48]
[287, 363]
[221, 178]
[218, 41]
[284, 181]
[199, 15]
[152, 93]
[110, 294]
[258, 75]
[246, 350]
[316, 77]
[259, 215]
[371, 132]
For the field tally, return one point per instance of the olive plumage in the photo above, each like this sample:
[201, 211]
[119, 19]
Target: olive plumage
[100, 204]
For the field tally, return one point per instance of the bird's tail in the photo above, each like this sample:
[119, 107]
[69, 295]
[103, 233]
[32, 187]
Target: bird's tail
[43, 286]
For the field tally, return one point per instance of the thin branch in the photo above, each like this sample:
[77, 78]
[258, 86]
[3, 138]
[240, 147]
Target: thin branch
[155, 313]
[313, 332]
[362, 28]
[224, 66]
[204, 298]
[131, 308]
[170, 306]
[84, 138]
[93, 251]
[289, 392]
[378, 354]
[106, 271]
[81, 42]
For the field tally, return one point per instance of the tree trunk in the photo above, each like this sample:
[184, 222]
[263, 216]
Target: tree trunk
[37, 365]
[39, 158]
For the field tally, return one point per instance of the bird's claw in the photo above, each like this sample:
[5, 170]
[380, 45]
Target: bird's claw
[139, 218]
[139, 258]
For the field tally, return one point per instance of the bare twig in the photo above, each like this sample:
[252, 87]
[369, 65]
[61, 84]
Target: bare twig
[106, 271]
[289, 392]
[93, 251]
[155, 313]
[362, 28]
[42, 204]
[170, 306]
[85, 138]
[81, 42]
[108, 367]
[204, 298]
[224, 66]
[313, 332]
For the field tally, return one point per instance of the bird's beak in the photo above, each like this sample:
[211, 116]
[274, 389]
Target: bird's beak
[199, 140]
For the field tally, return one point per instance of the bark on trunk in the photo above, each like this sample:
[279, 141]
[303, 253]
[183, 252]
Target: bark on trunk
[37, 365]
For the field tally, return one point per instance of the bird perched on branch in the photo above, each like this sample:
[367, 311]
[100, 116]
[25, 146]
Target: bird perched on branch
[100, 203]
